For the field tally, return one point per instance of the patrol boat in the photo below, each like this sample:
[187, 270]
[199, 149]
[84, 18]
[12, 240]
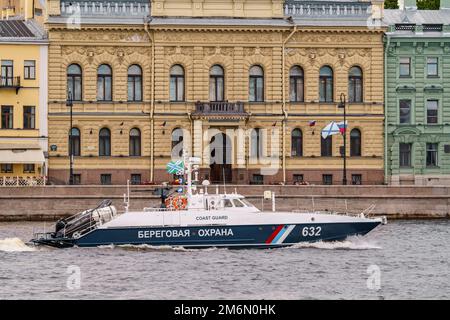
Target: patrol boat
[196, 219]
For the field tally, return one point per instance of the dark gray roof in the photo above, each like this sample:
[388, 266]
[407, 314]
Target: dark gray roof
[14, 29]
[21, 31]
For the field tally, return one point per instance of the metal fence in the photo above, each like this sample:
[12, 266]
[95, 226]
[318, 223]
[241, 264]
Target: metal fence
[22, 181]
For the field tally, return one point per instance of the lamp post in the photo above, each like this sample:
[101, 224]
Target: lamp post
[69, 103]
[344, 135]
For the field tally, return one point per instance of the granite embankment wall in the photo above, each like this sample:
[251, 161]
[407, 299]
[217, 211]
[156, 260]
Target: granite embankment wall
[52, 202]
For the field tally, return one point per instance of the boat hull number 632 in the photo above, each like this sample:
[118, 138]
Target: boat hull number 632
[311, 231]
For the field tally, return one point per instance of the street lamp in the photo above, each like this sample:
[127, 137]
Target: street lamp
[69, 103]
[344, 153]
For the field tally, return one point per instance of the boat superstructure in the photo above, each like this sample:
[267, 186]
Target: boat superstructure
[191, 217]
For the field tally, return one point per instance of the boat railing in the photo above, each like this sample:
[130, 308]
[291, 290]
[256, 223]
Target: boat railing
[149, 209]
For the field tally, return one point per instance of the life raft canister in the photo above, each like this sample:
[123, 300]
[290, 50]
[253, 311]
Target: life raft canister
[177, 203]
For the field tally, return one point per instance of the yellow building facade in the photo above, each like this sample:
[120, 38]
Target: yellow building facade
[23, 102]
[247, 86]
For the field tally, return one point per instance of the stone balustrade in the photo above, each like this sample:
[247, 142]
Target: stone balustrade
[106, 8]
[329, 9]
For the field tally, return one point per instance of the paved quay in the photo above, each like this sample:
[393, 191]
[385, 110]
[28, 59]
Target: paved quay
[401, 202]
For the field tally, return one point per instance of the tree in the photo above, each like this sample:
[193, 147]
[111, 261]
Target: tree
[428, 4]
[391, 4]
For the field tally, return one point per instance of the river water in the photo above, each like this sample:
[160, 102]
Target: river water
[401, 260]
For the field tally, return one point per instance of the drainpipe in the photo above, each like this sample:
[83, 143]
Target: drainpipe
[386, 180]
[189, 114]
[152, 101]
[285, 114]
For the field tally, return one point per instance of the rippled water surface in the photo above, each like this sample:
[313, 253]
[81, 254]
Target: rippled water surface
[413, 258]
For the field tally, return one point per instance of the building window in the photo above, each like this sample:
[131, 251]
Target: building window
[327, 179]
[432, 67]
[405, 111]
[405, 155]
[7, 168]
[104, 143]
[405, 67]
[177, 143]
[28, 168]
[135, 179]
[74, 82]
[296, 143]
[256, 143]
[29, 117]
[134, 83]
[257, 179]
[104, 83]
[135, 142]
[29, 69]
[296, 84]
[355, 143]
[356, 179]
[355, 85]
[298, 178]
[326, 146]
[216, 84]
[176, 83]
[77, 179]
[256, 84]
[7, 73]
[105, 179]
[432, 154]
[7, 117]
[75, 146]
[326, 84]
[432, 111]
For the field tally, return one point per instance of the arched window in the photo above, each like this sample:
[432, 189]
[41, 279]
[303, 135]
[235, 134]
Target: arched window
[75, 146]
[326, 84]
[296, 84]
[216, 83]
[355, 143]
[135, 142]
[296, 143]
[326, 146]
[256, 84]
[104, 143]
[177, 143]
[177, 83]
[355, 85]
[134, 83]
[74, 82]
[104, 83]
[256, 143]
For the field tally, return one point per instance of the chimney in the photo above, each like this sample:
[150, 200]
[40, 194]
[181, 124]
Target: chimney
[407, 4]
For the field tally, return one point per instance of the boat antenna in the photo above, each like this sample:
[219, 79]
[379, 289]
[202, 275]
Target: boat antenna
[224, 183]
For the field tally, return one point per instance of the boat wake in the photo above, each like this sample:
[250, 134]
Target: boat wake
[14, 245]
[354, 243]
[146, 247]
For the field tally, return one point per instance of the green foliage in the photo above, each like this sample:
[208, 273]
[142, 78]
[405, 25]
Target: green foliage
[428, 4]
[421, 4]
[391, 4]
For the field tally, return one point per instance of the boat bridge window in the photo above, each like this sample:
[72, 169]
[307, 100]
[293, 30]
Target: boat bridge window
[227, 203]
[248, 204]
[237, 203]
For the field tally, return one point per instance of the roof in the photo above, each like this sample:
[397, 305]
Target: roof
[21, 31]
[395, 16]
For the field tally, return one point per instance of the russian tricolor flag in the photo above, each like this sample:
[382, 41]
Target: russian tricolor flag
[342, 126]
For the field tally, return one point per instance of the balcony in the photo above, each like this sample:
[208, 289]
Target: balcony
[105, 8]
[10, 83]
[326, 9]
[220, 110]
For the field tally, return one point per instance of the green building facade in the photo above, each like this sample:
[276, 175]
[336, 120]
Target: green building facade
[417, 95]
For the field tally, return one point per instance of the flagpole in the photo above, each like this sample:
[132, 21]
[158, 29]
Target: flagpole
[344, 135]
